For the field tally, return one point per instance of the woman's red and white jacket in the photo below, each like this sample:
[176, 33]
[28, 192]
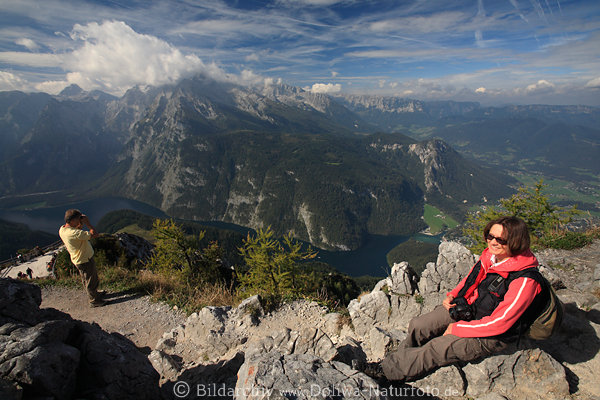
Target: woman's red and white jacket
[519, 296]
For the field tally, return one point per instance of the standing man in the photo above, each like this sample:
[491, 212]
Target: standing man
[77, 242]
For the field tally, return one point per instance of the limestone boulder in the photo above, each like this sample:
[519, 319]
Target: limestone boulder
[307, 341]
[453, 263]
[402, 280]
[529, 374]
[302, 377]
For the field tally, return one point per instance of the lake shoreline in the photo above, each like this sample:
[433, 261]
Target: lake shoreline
[369, 260]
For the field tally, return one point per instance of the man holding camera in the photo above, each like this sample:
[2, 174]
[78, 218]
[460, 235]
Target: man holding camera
[77, 242]
[479, 317]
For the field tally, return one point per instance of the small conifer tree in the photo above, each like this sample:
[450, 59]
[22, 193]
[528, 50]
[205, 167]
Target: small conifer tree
[273, 266]
[178, 254]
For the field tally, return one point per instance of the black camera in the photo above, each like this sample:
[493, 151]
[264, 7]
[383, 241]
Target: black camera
[462, 311]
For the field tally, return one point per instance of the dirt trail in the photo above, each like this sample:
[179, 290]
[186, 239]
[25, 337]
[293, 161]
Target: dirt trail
[134, 316]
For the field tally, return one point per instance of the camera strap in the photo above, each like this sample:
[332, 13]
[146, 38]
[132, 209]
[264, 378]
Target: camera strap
[470, 280]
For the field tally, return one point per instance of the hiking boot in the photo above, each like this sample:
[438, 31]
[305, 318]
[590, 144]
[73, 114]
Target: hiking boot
[373, 370]
[97, 303]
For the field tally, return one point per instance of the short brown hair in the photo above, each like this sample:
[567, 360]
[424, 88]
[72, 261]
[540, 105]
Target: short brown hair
[72, 213]
[516, 231]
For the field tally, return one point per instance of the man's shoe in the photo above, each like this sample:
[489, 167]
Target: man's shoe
[97, 303]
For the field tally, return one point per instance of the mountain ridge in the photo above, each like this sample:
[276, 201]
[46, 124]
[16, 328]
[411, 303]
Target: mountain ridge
[277, 156]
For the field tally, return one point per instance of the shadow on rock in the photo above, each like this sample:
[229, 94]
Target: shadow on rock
[576, 341]
[215, 381]
[47, 354]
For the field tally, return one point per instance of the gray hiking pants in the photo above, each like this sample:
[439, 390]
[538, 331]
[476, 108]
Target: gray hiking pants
[89, 278]
[425, 349]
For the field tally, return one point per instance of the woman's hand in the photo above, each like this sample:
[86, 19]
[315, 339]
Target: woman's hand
[447, 303]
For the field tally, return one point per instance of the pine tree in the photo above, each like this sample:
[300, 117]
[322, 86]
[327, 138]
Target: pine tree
[273, 266]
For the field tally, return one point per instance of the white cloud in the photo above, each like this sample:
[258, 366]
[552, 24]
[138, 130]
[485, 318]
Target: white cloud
[31, 59]
[542, 86]
[438, 22]
[248, 77]
[310, 2]
[479, 38]
[10, 81]
[30, 44]
[480, 90]
[594, 83]
[326, 88]
[52, 87]
[113, 57]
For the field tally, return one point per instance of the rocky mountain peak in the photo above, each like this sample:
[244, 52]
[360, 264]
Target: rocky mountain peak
[71, 91]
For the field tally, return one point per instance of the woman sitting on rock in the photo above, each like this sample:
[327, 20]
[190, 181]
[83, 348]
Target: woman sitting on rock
[479, 317]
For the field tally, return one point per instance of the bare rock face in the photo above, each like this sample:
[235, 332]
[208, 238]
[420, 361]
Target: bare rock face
[46, 354]
[136, 247]
[453, 263]
[19, 303]
[454, 383]
[526, 374]
[308, 341]
[402, 280]
[37, 358]
[302, 377]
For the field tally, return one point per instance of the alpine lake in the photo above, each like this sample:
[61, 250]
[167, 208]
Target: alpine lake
[370, 259]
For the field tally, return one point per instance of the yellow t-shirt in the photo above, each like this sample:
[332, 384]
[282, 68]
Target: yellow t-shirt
[77, 242]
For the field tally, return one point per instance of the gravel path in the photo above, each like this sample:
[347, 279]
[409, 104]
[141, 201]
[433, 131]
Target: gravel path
[131, 315]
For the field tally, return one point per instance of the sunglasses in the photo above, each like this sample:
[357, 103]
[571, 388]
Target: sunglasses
[500, 241]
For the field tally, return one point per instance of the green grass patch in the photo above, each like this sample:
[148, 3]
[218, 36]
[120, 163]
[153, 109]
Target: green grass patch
[437, 220]
[563, 191]
[69, 282]
[135, 229]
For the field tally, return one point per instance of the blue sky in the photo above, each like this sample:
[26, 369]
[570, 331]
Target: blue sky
[495, 52]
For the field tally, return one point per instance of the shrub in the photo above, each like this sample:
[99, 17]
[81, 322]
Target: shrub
[531, 205]
[178, 254]
[63, 266]
[273, 267]
[566, 240]
[108, 251]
